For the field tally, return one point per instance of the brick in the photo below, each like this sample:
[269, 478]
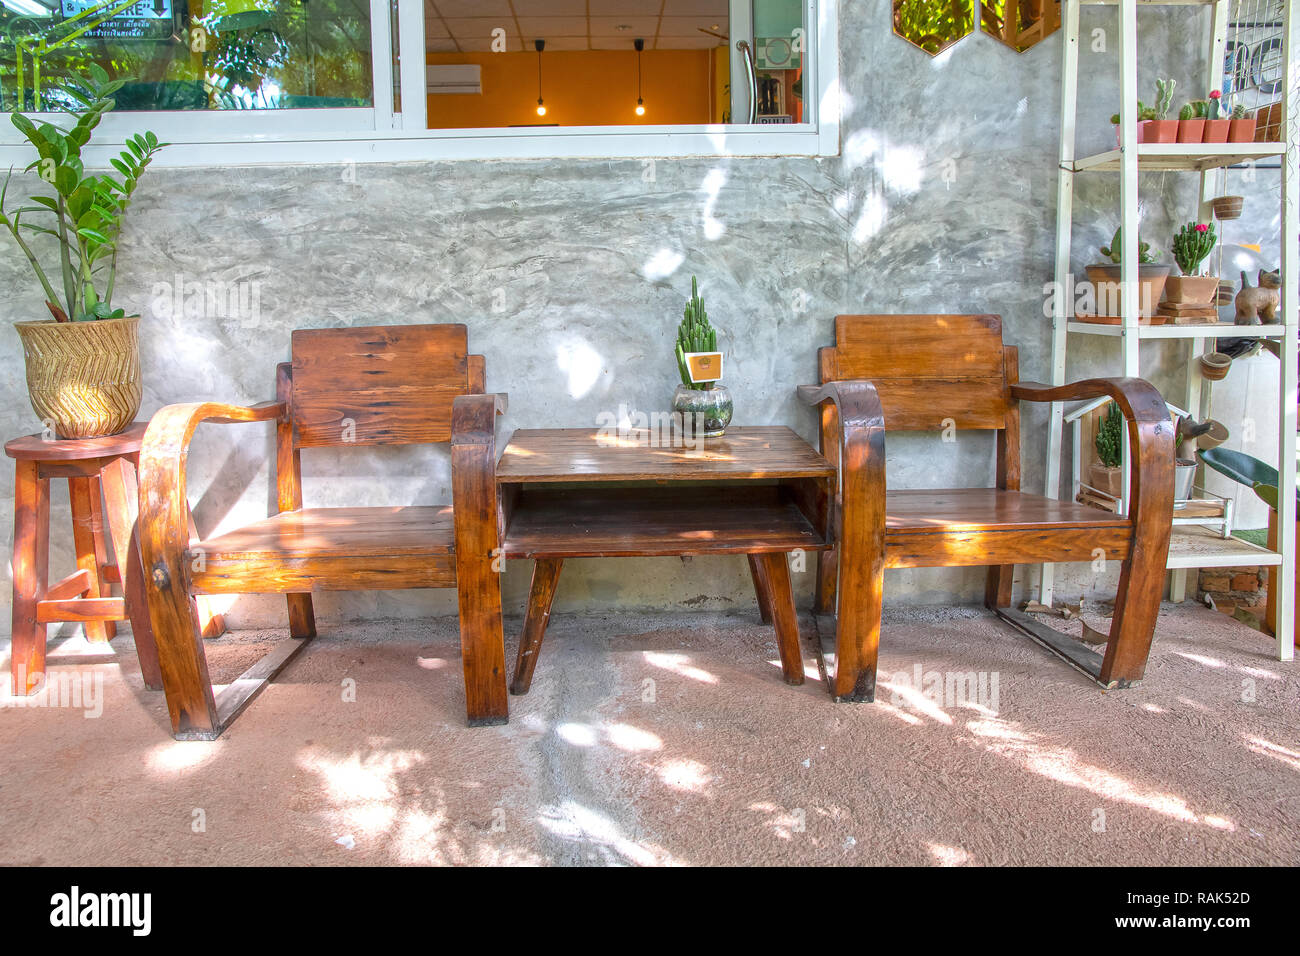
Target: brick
[1215, 582]
[1245, 582]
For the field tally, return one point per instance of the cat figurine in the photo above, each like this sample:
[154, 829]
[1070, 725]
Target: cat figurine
[1258, 305]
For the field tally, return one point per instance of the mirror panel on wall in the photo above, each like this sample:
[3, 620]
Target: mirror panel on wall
[613, 63]
[1020, 23]
[933, 25]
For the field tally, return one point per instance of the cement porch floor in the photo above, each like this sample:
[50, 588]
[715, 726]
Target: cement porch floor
[670, 739]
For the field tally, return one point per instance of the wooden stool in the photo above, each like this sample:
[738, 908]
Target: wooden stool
[101, 475]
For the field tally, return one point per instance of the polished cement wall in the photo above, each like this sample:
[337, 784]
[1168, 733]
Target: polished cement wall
[571, 276]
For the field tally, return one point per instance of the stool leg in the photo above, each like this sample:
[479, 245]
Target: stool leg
[88, 537]
[31, 563]
[122, 499]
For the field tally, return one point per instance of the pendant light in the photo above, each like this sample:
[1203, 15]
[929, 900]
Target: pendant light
[540, 45]
[640, 106]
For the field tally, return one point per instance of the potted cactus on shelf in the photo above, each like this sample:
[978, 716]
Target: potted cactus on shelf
[83, 363]
[1191, 247]
[1217, 122]
[1105, 278]
[1191, 121]
[1162, 129]
[703, 404]
[1241, 125]
[1105, 474]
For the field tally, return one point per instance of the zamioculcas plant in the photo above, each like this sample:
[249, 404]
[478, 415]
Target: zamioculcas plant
[1195, 241]
[84, 214]
[694, 334]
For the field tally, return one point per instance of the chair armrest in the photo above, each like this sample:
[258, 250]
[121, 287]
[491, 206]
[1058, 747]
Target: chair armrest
[1150, 446]
[473, 418]
[853, 438]
[164, 509]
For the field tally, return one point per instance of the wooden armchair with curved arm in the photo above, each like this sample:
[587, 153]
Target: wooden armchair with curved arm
[947, 373]
[355, 386]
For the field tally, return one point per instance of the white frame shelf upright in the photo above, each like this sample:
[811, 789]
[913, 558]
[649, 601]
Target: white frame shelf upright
[1205, 159]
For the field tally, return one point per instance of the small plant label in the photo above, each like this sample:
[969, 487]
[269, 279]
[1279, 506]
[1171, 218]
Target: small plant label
[704, 366]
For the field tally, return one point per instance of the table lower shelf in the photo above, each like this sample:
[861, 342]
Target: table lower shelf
[586, 523]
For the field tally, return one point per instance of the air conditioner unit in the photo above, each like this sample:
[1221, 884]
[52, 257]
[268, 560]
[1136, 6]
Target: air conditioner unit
[453, 78]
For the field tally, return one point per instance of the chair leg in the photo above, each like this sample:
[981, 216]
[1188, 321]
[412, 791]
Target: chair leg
[824, 600]
[31, 562]
[764, 599]
[546, 575]
[1137, 605]
[774, 571]
[997, 589]
[302, 617]
[211, 624]
[122, 499]
[84, 502]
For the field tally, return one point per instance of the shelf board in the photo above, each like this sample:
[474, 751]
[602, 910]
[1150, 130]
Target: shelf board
[1155, 157]
[1150, 3]
[1216, 330]
[1195, 546]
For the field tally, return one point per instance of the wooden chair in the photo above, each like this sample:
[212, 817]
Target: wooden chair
[384, 385]
[936, 372]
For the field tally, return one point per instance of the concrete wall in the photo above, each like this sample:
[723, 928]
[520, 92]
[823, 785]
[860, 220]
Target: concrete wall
[572, 274]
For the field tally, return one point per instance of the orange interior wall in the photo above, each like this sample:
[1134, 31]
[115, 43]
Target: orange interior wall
[581, 88]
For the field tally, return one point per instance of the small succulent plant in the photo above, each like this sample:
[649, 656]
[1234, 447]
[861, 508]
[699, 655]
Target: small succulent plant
[694, 334]
[1109, 436]
[1115, 251]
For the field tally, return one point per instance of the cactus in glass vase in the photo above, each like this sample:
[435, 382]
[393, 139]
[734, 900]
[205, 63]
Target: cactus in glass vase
[694, 334]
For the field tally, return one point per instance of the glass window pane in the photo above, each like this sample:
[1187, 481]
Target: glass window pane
[189, 54]
[487, 71]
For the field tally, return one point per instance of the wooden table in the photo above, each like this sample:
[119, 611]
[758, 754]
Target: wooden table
[581, 493]
[101, 474]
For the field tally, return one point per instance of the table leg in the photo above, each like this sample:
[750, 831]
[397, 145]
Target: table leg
[122, 498]
[764, 601]
[546, 575]
[31, 562]
[774, 572]
[85, 502]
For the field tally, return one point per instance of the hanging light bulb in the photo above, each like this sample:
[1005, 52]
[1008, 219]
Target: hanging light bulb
[640, 104]
[540, 45]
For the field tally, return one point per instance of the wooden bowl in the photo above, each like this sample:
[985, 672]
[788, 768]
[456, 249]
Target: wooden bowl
[1215, 365]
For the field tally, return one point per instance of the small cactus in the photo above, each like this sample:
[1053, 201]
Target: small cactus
[1109, 436]
[1239, 111]
[1164, 97]
[1115, 251]
[1195, 241]
[1188, 112]
[694, 334]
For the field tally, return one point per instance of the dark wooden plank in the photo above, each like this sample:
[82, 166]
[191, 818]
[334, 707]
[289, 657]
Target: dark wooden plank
[31, 562]
[648, 522]
[85, 503]
[85, 610]
[76, 584]
[1084, 659]
[546, 575]
[760, 589]
[988, 509]
[354, 532]
[997, 588]
[957, 547]
[941, 347]
[775, 573]
[122, 497]
[569, 454]
[232, 699]
[377, 385]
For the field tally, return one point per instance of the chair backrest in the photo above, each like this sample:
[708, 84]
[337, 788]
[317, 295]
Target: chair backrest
[927, 369]
[385, 384]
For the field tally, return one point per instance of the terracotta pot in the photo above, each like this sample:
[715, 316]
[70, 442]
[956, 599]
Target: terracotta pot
[1216, 131]
[83, 378]
[1191, 131]
[1105, 278]
[1141, 132]
[1109, 481]
[1214, 366]
[1193, 290]
[1227, 207]
[1162, 131]
[1241, 130]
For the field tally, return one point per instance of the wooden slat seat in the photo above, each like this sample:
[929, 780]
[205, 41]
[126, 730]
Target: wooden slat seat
[328, 549]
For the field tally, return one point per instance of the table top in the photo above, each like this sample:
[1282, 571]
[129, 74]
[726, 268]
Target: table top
[38, 448]
[587, 454]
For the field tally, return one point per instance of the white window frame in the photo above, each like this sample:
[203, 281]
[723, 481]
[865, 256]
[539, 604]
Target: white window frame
[378, 134]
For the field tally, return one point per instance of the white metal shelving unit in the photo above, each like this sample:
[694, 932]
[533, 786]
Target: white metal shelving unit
[1192, 546]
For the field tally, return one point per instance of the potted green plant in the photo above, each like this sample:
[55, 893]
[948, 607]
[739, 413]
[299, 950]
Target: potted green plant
[1105, 474]
[1145, 115]
[83, 363]
[1161, 128]
[1217, 122]
[1241, 125]
[703, 404]
[1191, 246]
[1191, 121]
[1105, 277]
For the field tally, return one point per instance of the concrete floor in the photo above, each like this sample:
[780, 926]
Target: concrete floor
[670, 739]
